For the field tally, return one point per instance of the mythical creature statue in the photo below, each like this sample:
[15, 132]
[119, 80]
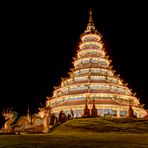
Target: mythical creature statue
[29, 123]
[24, 120]
[45, 113]
[10, 117]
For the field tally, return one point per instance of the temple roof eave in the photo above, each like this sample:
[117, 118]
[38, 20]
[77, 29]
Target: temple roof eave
[93, 83]
[64, 98]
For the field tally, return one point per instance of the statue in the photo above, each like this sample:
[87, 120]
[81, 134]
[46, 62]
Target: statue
[131, 112]
[10, 117]
[62, 117]
[45, 113]
[72, 113]
[53, 120]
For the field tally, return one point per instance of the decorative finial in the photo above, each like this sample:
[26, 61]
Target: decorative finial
[28, 112]
[90, 25]
[90, 17]
[90, 12]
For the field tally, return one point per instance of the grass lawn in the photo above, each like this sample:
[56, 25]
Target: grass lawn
[86, 132]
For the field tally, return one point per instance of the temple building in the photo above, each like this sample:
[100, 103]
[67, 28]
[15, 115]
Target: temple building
[93, 83]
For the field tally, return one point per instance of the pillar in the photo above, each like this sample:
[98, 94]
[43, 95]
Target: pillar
[118, 113]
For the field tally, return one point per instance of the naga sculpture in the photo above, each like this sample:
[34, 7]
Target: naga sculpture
[10, 117]
[45, 113]
[29, 123]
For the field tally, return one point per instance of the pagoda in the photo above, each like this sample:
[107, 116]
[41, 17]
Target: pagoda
[93, 84]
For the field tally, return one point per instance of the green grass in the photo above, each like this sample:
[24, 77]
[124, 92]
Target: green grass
[104, 125]
[86, 132]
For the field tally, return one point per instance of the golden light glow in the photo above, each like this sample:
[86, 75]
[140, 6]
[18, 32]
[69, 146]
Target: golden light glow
[93, 77]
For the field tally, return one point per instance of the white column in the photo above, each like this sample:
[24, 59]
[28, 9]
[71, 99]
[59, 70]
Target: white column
[103, 112]
[118, 113]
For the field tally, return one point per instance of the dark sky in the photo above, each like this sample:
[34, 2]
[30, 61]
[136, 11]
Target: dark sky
[39, 40]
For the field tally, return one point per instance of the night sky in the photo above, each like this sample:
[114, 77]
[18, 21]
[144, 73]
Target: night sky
[39, 40]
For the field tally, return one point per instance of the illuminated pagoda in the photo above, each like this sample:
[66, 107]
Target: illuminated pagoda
[93, 80]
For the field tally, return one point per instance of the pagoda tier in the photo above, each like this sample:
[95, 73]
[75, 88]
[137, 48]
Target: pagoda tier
[93, 77]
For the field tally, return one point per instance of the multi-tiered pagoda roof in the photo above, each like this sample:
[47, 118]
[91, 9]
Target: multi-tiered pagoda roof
[93, 78]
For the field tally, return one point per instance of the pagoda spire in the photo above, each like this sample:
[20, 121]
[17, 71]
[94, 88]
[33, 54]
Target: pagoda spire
[90, 25]
[90, 17]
